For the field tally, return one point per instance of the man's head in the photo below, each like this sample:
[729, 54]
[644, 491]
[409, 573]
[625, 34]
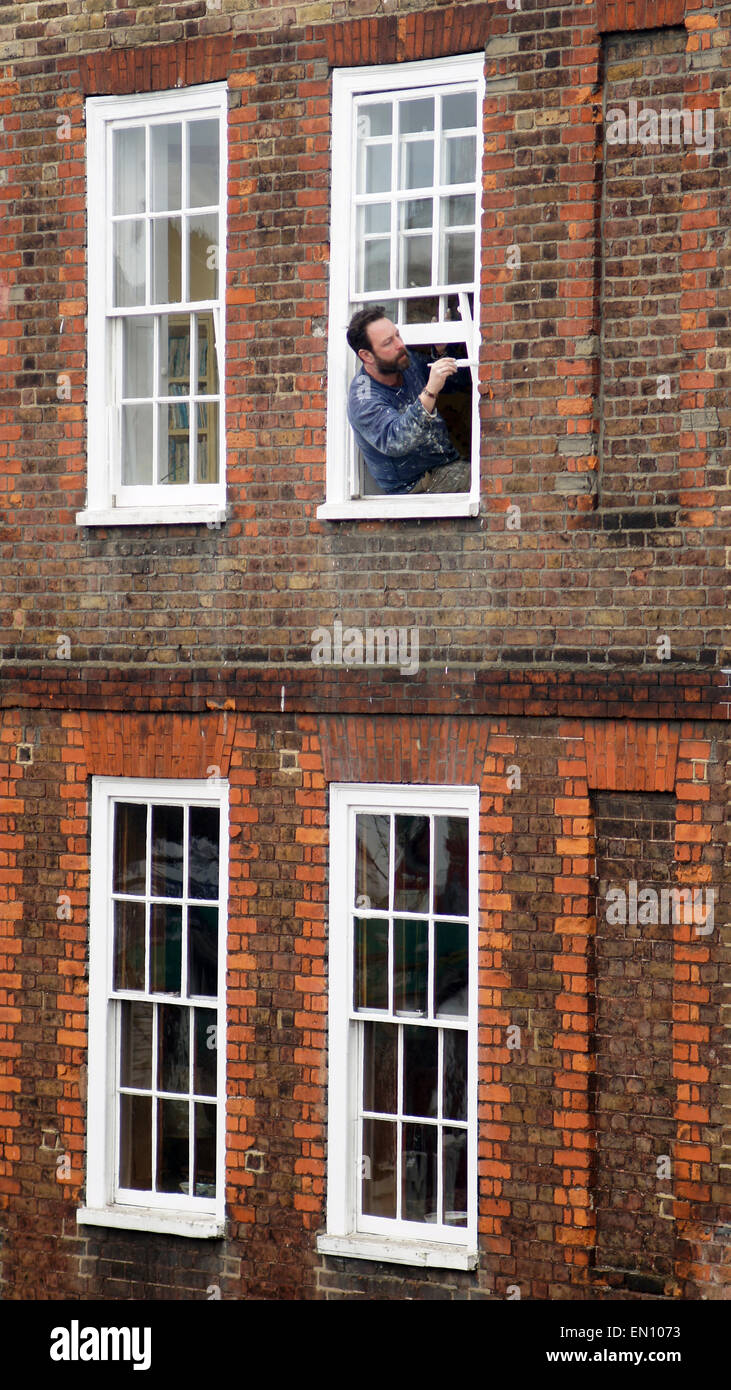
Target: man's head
[377, 341]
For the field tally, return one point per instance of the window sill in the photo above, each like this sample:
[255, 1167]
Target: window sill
[386, 509]
[153, 516]
[397, 1251]
[204, 1226]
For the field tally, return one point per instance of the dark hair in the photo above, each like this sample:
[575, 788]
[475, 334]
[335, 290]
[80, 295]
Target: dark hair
[357, 334]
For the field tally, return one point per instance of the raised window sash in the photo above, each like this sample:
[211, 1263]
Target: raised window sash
[402, 1131]
[156, 170]
[156, 1107]
[406, 199]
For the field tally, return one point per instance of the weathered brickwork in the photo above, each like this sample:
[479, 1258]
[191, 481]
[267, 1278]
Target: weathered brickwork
[570, 667]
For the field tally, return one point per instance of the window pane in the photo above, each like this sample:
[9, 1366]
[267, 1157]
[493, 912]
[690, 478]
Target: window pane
[377, 169]
[128, 193]
[130, 840]
[454, 1176]
[451, 849]
[173, 444]
[173, 1048]
[419, 1173]
[207, 364]
[415, 116]
[459, 210]
[376, 217]
[420, 1070]
[380, 1058]
[135, 1062]
[203, 851]
[135, 1142]
[166, 269]
[460, 267]
[166, 167]
[203, 187]
[129, 945]
[172, 1146]
[424, 310]
[129, 263]
[206, 1052]
[137, 354]
[136, 445]
[375, 120]
[371, 964]
[174, 355]
[372, 850]
[411, 966]
[460, 153]
[416, 253]
[203, 256]
[379, 1168]
[206, 457]
[450, 969]
[411, 882]
[417, 164]
[459, 110]
[376, 265]
[416, 212]
[166, 928]
[203, 950]
[455, 1075]
[167, 851]
[205, 1151]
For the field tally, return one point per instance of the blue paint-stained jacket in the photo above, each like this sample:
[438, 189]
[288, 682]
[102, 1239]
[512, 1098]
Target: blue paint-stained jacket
[399, 439]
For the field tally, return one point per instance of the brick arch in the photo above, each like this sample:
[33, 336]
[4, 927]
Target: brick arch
[616, 15]
[630, 756]
[141, 745]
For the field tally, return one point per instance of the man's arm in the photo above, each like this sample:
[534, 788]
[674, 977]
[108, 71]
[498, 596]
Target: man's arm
[393, 432]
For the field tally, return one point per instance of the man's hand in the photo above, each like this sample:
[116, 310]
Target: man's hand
[446, 366]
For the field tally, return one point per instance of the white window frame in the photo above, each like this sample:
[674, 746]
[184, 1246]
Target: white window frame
[348, 84]
[377, 1238]
[170, 1213]
[108, 503]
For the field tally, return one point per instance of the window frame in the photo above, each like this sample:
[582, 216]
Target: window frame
[108, 503]
[164, 1212]
[348, 85]
[381, 1238]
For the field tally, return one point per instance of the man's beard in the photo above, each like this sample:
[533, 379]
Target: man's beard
[393, 368]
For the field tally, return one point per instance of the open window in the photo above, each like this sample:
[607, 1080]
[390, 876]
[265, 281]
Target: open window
[406, 203]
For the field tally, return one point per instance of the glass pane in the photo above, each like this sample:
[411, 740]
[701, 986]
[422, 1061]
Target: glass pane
[135, 1142]
[174, 355]
[417, 164]
[203, 950]
[371, 964]
[375, 217]
[203, 256]
[377, 169]
[419, 1173]
[415, 116]
[167, 852]
[137, 356]
[206, 456]
[130, 839]
[460, 154]
[129, 263]
[376, 265]
[173, 1048]
[173, 444]
[416, 212]
[454, 1176]
[421, 1047]
[411, 966]
[380, 1067]
[450, 969]
[166, 282]
[207, 364]
[129, 945]
[451, 849]
[204, 829]
[455, 1075]
[136, 445]
[135, 1060]
[459, 110]
[459, 210]
[172, 1145]
[375, 120]
[379, 1168]
[416, 254]
[166, 168]
[460, 267]
[411, 881]
[166, 930]
[128, 152]
[206, 1052]
[205, 1151]
[203, 187]
[424, 310]
[372, 845]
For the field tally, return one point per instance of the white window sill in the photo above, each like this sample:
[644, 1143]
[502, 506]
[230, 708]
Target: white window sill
[398, 1251]
[204, 1225]
[386, 509]
[153, 516]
